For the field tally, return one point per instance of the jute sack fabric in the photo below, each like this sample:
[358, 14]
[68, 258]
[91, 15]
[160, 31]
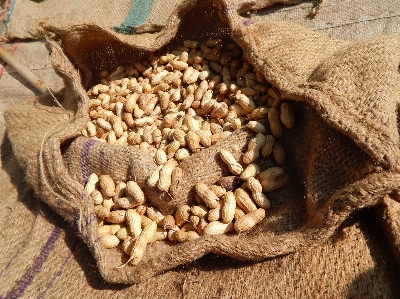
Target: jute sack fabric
[342, 155]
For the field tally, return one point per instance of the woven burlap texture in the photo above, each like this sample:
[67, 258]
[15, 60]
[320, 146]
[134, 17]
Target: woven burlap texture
[342, 155]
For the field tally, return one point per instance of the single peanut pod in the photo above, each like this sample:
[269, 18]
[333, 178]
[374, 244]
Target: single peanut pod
[192, 44]
[254, 185]
[145, 221]
[105, 125]
[157, 136]
[200, 211]
[152, 180]
[182, 236]
[278, 153]
[230, 160]
[111, 137]
[168, 222]
[182, 215]
[141, 210]
[160, 157]
[246, 103]
[91, 183]
[125, 203]
[91, 128]
[127, 245]
[165, 180]
[228, 208]
[140, 244]
[133, 220]
[194, 220]
[253, 149]
[256, 127]
[218, 228]
[105, 230]
[274, 123]
[119, 190]
[171, 233]
[266, 149]
[204, 138]
[270, 173]
[159, 235]
[101, 211]
[216, 128]
[179, 65]
[155, 215]
[261, 200]
[192, 124]
[249, 220]
[287, 116]
[172, 148]
[180, 135]
[275, 182]
[108, 203]
[107, 185]
[215, 214]
[209, 197]
[181, 154]
[244, 201]
[96, 197]
[239, 213]
[218, 190]
[133, 189]
[109, 241]
[193, 141]
[251, 170]
[259, 113]
[117, 216]
[123, 233]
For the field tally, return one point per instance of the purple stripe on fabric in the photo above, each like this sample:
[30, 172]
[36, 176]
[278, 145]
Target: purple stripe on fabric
[84, 162]
[101, 160]
[30, 274]
[60, 269]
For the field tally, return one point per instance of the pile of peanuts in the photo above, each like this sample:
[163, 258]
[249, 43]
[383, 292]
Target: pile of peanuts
[171, 107]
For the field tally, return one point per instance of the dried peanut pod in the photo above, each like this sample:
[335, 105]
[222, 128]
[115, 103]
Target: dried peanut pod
[96, 197]
[274, 93]
[204, 138]
[275, 182]
[140, 244]
[105, 125]
[209, 197]
[182, 215]
[254, 185]
[193, 141]
[287, 116]
[266, 150]
[133, 220]
[123, 233]
[253, 149]
[215, 214]
[165, 180]
[278, 152]
[218, 228]
[180, 136]
[200, 211]
[259, 113]
[181, 154]
[107, 185]
[246, 103]
[274, 123]
[192, 44]
[159, 235]
[228, 208]
[244, 201]
[155, 215]
[145, 221]
[160, 157]
[101, 212]
[194, 220]
[117, 216]
[168, 222]
[261, 200]
[157, 136]
[182, 236]
[218, 190]
[179, 65]
[256, 127]
[127, 245]
[108, 203]
[105, 230]
[192, 124]
[111, 137]
[270, 173]
[109, 241]
[119, 190]
[152, 180]
[239, 213]
[249, 220]
[133, 189]
[171, 233]
[91, 129]
[124, 203]
[230, 160]
[251, 170]
[172, 148]
[141, 210]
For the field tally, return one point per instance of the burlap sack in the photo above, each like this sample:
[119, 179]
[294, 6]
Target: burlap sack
[342, 155]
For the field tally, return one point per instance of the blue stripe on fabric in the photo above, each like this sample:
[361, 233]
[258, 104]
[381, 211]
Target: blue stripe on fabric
[137, 15]
[8, 16]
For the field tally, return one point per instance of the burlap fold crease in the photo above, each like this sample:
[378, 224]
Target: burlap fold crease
[342, 155]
